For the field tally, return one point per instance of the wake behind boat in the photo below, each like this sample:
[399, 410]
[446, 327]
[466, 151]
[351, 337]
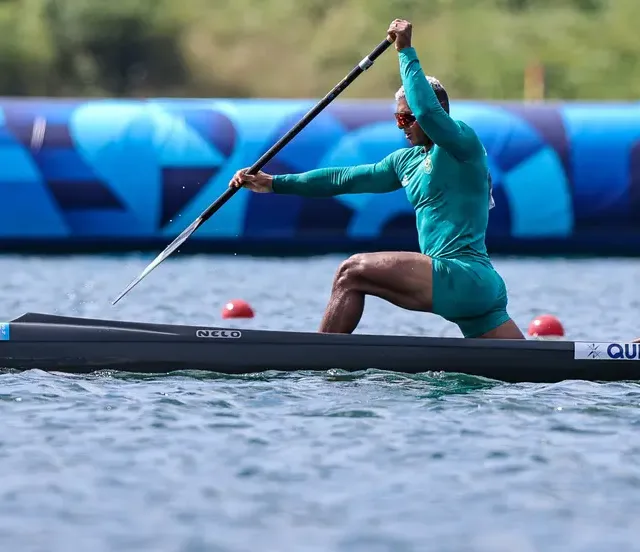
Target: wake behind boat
[83, 345]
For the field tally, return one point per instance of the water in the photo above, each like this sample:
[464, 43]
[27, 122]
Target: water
[314, 461]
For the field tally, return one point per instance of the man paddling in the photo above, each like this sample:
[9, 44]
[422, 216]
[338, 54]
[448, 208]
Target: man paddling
[445, 176]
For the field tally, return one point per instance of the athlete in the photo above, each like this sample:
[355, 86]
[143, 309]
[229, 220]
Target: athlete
[446, 179]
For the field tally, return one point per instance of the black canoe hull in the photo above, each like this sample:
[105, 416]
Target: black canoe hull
[80, 345]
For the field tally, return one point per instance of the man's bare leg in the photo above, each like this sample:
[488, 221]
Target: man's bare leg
[402, 278]
[508, 330]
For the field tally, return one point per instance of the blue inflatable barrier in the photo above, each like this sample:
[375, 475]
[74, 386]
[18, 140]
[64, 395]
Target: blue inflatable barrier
[109, 174]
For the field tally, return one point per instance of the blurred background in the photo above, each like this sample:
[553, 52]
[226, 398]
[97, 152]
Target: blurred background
[487, 49]
[122, 121]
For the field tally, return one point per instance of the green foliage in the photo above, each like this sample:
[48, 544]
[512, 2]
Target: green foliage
[301, 48]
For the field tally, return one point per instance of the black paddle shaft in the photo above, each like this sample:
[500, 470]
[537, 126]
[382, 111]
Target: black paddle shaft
[175, 244]
[269, 154]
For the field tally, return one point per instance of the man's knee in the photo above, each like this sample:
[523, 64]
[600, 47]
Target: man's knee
[509, 330]
[351, 271]
[506, 330]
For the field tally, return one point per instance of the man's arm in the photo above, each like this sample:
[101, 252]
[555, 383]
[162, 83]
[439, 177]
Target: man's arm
[453, 136]
[373, 178]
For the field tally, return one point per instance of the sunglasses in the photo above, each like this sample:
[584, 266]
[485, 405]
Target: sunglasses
[404, 120]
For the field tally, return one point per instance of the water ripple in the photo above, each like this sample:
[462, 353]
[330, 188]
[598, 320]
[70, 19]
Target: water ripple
[310, 461]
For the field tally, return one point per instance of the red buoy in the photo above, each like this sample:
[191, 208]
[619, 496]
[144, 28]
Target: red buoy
[237, 308]
[546, 326]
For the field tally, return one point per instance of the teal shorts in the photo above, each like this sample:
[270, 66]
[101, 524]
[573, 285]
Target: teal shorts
[469, 293]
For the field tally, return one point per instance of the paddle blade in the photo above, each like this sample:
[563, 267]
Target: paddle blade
[175, 244]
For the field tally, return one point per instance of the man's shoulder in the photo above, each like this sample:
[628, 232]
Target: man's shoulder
[402, 154]
[472, 140]
[399, 158]
[467, 130]
[408, 150]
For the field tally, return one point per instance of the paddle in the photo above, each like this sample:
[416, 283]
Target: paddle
[266, 157]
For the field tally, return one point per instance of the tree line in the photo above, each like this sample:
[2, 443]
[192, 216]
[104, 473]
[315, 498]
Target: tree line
[480, 49]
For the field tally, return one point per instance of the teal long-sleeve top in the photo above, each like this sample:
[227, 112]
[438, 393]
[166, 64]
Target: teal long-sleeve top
[447, 185]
